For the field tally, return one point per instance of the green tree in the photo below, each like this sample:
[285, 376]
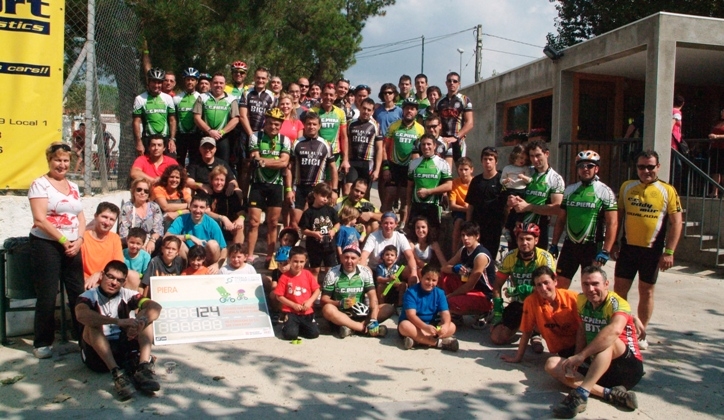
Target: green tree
[314, 38]
[579, 20]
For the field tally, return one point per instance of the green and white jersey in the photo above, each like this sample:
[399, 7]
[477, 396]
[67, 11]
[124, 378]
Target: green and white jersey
[154, 112]
[269, 148]
[539, 191]
[185, 111]
[339, 285]
[402, 139]
[585, 205]
[216, 112]
[428, 173]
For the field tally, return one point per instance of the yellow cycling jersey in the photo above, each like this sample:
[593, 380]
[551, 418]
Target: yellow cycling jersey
[646, 209]
[521, 272]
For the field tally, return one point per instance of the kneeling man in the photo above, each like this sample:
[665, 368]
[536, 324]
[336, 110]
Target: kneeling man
[607, 362]
[111, 338]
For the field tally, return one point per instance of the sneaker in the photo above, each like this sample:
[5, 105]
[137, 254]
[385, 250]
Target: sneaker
[344, 331]
[643, 344]
[45, 352]
[408, 343]
[536, 343]
[570, 406]
[621, 397]
[480, 323]
[143, 378]
[123, 384]
[450, 344]
[383, 331]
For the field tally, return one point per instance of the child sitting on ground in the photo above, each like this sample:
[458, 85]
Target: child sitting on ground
[425, 317]
[319, 223]
[236, 261]
[279, 264]
[348, 233]
[135, 257]
[297, 291]
[196, 256]
[514, 177]
[168, 263]
[457, 195]
[386, 270]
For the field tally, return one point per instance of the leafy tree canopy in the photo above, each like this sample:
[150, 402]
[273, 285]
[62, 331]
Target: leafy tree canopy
[579, 20]
[313, 38]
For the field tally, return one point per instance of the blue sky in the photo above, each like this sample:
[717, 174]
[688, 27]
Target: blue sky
[521, 20]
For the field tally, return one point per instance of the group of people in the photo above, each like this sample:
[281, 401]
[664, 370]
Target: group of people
[357, 263]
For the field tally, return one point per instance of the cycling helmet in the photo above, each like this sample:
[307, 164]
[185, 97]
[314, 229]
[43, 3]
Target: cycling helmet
[282, 254]
[275, 113]
[410, 102]
[191, 72]
[529, 228]
[588, 156]
[239, 65]
[156, 74]
[360, 309]
[205, 76]
[291, 231]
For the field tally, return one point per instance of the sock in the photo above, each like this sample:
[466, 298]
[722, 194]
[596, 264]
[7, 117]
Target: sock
[439, 343]
[583, 393]
[607, 394]
[115, 371]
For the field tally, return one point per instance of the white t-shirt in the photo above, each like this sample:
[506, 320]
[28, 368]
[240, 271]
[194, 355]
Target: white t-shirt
[376, 243]
[246, 269]
[63, 210]
[511, 172]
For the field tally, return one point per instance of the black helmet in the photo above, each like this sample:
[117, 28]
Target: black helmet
[156, 74]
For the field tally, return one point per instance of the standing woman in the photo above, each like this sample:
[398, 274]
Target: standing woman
[291, 126]
[296, 93]
[55, 240]
[716, 152]
[433, 95]
[171, 193]
[139, 211]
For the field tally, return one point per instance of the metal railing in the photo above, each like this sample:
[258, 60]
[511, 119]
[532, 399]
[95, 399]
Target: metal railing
[618, 160]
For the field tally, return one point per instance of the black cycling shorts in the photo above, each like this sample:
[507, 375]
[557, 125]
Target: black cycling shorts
[125, 353]
[624, 370]
[398, 176]
[300, 196]
[636, 259]
[575, 255]
[262, 196]
[513, 315]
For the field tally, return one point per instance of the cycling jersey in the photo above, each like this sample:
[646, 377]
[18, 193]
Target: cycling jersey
[428, 173]
[236, 92]
[185, 111]
[441, 148]
[339, 285]
[585, 205]
[362, 137]
[539, 191]
[257, 103]
[332, 123]
[311, 157]
[402, 140]
[216, 112]
[362, 205]
[647, 208]
[271, 148]
[452, 111]
[595, 319]
[348, 112]
[154, 112]
[521, 272]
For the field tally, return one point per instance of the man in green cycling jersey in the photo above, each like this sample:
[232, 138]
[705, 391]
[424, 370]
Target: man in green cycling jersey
[216, 114]
[154, 113]
[590, 219]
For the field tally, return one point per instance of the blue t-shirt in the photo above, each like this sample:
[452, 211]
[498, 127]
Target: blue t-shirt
[386, 117]
[427, 304]
[139, 263]
[347, 235]
[206, 230]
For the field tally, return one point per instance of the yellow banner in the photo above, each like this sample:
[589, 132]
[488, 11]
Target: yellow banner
[31, 76]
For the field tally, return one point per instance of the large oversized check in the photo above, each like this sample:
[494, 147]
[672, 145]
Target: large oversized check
[210, 308]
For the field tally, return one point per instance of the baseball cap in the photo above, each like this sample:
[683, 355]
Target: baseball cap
[208, 140]
[353, 247]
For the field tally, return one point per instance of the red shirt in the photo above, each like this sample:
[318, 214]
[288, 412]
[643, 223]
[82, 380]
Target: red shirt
[298, 289]
[144, 164]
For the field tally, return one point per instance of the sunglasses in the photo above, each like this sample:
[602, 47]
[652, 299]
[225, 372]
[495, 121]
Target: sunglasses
[453, 81]
[388, 93]
[490, 149]
[54, 148]
[143, 190]
[304, 86]
[586, 165]
[646, 167]
[433, 126]
[360, 87]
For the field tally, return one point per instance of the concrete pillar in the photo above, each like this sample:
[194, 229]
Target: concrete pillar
[562, 118]
[660, 72]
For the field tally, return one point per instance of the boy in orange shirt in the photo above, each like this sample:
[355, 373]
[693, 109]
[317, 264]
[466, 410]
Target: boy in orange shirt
[196, 258]
[101, 246]
[457, 195]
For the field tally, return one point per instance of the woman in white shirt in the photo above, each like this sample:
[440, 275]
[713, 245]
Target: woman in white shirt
[388, 235]
[55, 238]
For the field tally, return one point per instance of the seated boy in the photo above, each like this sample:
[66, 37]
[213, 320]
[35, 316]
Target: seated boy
[168, 263]
[385, 273]
[196, 258]
[425, 318]
[297, 291]
[236, 263]
[136, 258]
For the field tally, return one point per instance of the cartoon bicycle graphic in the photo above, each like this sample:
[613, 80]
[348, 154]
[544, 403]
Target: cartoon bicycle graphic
[225, 295]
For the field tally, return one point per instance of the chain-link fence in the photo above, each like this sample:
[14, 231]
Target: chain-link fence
[102, 77]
